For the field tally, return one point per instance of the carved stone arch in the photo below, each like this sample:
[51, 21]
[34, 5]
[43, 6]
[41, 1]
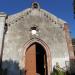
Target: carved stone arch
[47, 50]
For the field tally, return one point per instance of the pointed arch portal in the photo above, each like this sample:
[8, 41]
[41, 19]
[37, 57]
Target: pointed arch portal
[36, 60]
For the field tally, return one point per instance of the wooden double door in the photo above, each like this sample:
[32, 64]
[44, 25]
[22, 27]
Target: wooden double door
[36, 61]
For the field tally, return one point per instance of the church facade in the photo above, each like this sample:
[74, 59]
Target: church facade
[33, 41]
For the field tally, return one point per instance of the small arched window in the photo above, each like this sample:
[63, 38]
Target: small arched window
[35, 5]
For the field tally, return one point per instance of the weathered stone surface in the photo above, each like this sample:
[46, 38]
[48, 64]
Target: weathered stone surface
[2, 24]
[50, 30]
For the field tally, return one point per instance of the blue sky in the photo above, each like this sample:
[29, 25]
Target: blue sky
[61, 8]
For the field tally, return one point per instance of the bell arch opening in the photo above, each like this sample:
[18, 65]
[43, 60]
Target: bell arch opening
[36, 60]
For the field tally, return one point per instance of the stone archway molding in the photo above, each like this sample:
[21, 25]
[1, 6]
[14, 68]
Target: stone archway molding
[45, 46]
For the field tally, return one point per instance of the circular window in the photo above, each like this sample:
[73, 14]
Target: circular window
[33, 30]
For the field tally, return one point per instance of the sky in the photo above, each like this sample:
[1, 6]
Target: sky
[61, 8]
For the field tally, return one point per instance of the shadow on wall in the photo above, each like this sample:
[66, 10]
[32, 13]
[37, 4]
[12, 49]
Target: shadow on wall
[10, 68]
[72, 66]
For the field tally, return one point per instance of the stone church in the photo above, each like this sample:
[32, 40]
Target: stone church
[33, 41]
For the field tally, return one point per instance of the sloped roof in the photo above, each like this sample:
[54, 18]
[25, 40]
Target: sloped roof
[37, 12]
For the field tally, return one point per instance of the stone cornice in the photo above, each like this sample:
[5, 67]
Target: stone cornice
[38, 12]
[2, 14]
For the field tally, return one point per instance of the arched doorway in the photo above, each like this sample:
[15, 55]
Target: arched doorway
[36, 60]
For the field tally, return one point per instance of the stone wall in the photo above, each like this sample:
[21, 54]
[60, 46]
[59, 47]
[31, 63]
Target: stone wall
[2, 25]
[49, 29]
